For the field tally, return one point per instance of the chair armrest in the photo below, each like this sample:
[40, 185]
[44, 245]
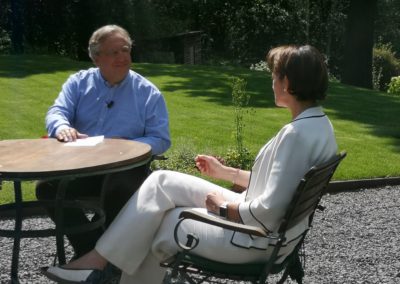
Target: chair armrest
[217, 221]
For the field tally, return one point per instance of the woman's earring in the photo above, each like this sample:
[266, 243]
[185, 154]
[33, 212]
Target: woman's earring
[284, 89]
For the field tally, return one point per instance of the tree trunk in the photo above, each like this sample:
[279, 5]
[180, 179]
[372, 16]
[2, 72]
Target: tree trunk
[85, 23]
[357, 65]
[17, 31]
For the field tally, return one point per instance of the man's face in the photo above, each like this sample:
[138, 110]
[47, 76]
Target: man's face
[114, 58]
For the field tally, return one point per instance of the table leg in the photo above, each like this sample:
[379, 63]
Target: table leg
[59, 212]
[18, 227]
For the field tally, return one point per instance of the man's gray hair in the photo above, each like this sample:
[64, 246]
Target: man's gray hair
[101, 34]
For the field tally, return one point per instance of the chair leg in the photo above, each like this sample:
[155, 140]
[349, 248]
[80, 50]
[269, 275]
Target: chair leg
[178, 276]
[284, 277]
[175, 277]
[190, 280]
[295, 269]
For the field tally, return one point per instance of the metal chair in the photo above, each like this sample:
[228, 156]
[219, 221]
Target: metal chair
[187, 267]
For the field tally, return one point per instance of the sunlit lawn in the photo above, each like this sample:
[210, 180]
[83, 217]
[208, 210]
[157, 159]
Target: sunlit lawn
[201, 114]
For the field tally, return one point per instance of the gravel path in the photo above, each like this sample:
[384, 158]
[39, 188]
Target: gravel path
[356, 239]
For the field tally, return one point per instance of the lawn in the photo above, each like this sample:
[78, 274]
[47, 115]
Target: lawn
[201, 114]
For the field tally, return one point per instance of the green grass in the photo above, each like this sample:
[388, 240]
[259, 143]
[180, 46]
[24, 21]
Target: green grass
[201, 114]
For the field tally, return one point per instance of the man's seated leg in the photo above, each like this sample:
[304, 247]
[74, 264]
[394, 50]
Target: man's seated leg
[88, 187]
[119, 187]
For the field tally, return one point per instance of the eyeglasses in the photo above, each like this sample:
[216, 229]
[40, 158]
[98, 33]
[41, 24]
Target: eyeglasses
[126, 49]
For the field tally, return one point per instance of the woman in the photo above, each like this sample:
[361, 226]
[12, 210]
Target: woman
[142, 234]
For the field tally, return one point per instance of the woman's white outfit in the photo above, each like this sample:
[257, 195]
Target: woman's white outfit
[142, 234]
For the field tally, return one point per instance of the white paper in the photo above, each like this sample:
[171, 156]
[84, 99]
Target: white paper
[90, 141]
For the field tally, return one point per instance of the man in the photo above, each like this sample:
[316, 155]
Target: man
[113, 101]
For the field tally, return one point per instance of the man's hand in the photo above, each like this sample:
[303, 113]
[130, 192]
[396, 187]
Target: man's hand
[69, 135]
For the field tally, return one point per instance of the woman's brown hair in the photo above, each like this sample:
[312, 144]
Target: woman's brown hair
[305, 69]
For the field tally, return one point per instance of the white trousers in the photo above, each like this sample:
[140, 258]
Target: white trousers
[142, 234]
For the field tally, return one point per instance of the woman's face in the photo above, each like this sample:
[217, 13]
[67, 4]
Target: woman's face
[279, 86]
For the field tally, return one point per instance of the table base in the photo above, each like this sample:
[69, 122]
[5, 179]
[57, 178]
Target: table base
[59, 231]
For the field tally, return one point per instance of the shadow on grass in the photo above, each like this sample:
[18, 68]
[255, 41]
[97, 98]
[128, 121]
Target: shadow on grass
[211, 83]
[21, 66]
[375, 110]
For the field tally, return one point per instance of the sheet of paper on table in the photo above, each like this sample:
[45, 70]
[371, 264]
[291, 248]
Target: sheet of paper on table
[90, 141]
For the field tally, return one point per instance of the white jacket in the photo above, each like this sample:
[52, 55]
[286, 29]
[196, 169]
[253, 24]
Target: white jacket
[306, 141]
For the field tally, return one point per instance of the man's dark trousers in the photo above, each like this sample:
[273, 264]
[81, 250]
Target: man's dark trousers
[117, 189]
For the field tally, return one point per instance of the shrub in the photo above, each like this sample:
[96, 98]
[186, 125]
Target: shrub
[240, 156]
[242, 160]
[385, 65]
[394, 86]
[5, 42]
[181, 160]
[260, 66]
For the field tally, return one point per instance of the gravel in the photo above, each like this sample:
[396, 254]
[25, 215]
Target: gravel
[356, 239]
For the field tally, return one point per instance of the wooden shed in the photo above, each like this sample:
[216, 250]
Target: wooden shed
[183, 48]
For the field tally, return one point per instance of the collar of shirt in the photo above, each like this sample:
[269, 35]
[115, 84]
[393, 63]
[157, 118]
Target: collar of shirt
[310, 112]
[108, 85]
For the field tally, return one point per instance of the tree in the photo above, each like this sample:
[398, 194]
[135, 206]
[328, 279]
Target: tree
[359, 41]
[387, 24]
[326, 30]
[17, 29]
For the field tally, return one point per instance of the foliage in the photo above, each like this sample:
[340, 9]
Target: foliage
[394, 86]
[181, 159]
[240, 99]
[238, 32]
[249, 25]
[326, 30]
[64, 26]
[385, 66]
[387, 24]
[376, 77]
[260, 66]
[5, 42]
[233, 30]
[239, 157]
[242, 160]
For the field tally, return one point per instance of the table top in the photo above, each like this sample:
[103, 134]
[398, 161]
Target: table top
[31, 159]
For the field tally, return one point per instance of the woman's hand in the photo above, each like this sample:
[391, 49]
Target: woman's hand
[213, 201]
[209, 165]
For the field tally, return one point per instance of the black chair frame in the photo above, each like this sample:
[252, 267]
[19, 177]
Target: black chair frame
[186, 266]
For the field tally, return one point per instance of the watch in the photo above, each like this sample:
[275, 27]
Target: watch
[223, 210]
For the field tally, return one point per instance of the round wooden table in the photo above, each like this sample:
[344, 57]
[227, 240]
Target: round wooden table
[34, 159]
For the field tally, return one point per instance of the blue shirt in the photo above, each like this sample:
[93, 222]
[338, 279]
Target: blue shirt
[134, 109]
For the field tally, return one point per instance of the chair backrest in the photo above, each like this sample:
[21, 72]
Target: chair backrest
[309, 192]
